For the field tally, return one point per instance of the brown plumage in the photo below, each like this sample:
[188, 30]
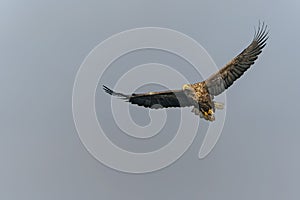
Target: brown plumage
[200, 95]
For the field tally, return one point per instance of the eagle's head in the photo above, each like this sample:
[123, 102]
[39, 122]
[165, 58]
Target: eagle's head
[187, 87]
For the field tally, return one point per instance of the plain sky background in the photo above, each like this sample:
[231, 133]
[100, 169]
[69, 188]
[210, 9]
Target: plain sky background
[42, 46]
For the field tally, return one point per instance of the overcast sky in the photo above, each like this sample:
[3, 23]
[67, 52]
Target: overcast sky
[43, 45]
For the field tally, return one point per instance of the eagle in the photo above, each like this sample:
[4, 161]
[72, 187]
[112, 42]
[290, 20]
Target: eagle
[201, 95]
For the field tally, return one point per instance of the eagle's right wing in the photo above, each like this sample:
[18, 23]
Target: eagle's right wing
[224, 78]
[172, 98]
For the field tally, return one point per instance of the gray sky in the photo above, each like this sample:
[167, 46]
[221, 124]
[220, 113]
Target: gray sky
[44, 43]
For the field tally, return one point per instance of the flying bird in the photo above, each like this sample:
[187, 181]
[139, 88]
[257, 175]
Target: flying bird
[201, 95]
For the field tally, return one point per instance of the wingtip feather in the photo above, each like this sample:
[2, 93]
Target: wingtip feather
[107, 90]
[111, 92]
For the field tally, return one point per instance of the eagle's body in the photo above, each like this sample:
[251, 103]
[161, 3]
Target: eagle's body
[200, 95]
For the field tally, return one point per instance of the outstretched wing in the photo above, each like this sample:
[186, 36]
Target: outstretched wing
[224, 78]
[175, 98]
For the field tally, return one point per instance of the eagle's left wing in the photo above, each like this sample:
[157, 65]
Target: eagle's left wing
[224, 78]
[172, 98]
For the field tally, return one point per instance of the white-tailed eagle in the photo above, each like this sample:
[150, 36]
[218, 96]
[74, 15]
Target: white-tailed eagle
[200, 95]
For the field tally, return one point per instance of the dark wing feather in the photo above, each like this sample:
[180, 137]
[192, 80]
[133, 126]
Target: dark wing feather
[175, 98]
[219, 82]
